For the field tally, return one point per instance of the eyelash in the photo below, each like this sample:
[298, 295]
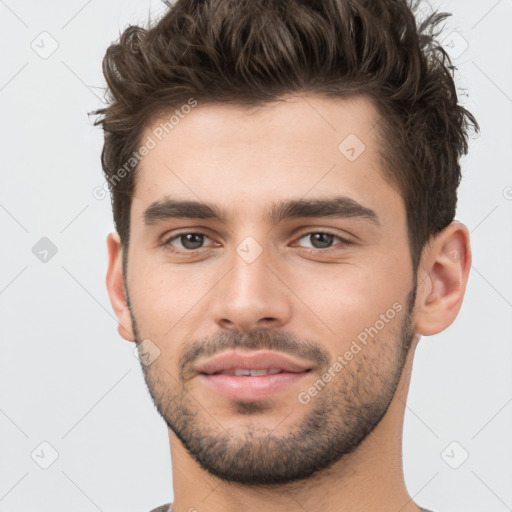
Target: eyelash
[167, 241]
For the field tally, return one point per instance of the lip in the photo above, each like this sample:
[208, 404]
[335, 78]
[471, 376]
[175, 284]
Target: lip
[260, 360]
[251, 387]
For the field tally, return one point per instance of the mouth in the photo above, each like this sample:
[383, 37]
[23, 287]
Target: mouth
[251, 375]
[251, 387]
[251, 372]
[243, 363]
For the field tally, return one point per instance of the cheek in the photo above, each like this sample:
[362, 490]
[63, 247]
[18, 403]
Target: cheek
[164, 295]
[350, 298]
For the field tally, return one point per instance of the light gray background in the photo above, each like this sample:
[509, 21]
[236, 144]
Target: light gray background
[69, 380]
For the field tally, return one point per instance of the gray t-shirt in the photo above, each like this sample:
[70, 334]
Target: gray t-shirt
[162, 508]
[167, 508]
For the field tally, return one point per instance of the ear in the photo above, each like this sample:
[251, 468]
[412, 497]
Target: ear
[115, 287]
[442, 278]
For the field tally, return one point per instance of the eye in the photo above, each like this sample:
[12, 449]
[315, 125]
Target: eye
[322, 239]
[189, 241]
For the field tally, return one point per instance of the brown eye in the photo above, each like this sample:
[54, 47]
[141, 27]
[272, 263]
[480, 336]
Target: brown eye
[321, 239]
[188, 241]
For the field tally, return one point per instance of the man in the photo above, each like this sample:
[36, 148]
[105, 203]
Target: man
[284, 177]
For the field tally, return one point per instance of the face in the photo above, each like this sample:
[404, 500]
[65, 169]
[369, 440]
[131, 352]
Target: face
[303, 253]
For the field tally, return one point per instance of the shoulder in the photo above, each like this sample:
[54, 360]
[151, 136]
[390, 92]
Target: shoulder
[162, 508]
[167, 508]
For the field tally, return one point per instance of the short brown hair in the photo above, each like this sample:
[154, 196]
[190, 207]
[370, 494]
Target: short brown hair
[252, 52]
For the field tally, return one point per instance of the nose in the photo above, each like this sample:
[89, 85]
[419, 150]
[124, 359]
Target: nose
[251, 295]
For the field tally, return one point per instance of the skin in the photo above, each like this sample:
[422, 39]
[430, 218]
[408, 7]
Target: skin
[294, 295]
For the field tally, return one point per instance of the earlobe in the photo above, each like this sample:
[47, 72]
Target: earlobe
[115, 287]
[442, 281]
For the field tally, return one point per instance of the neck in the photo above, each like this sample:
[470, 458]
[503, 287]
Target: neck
[368, 479]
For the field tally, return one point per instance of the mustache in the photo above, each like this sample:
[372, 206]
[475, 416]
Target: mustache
[257, 339]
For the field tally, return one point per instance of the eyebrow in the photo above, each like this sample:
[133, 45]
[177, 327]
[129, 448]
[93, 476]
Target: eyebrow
[340, 207]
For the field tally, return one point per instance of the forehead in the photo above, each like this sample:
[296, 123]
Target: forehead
[297, 147]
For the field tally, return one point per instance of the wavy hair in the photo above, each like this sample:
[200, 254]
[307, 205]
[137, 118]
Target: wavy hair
[251, 52]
